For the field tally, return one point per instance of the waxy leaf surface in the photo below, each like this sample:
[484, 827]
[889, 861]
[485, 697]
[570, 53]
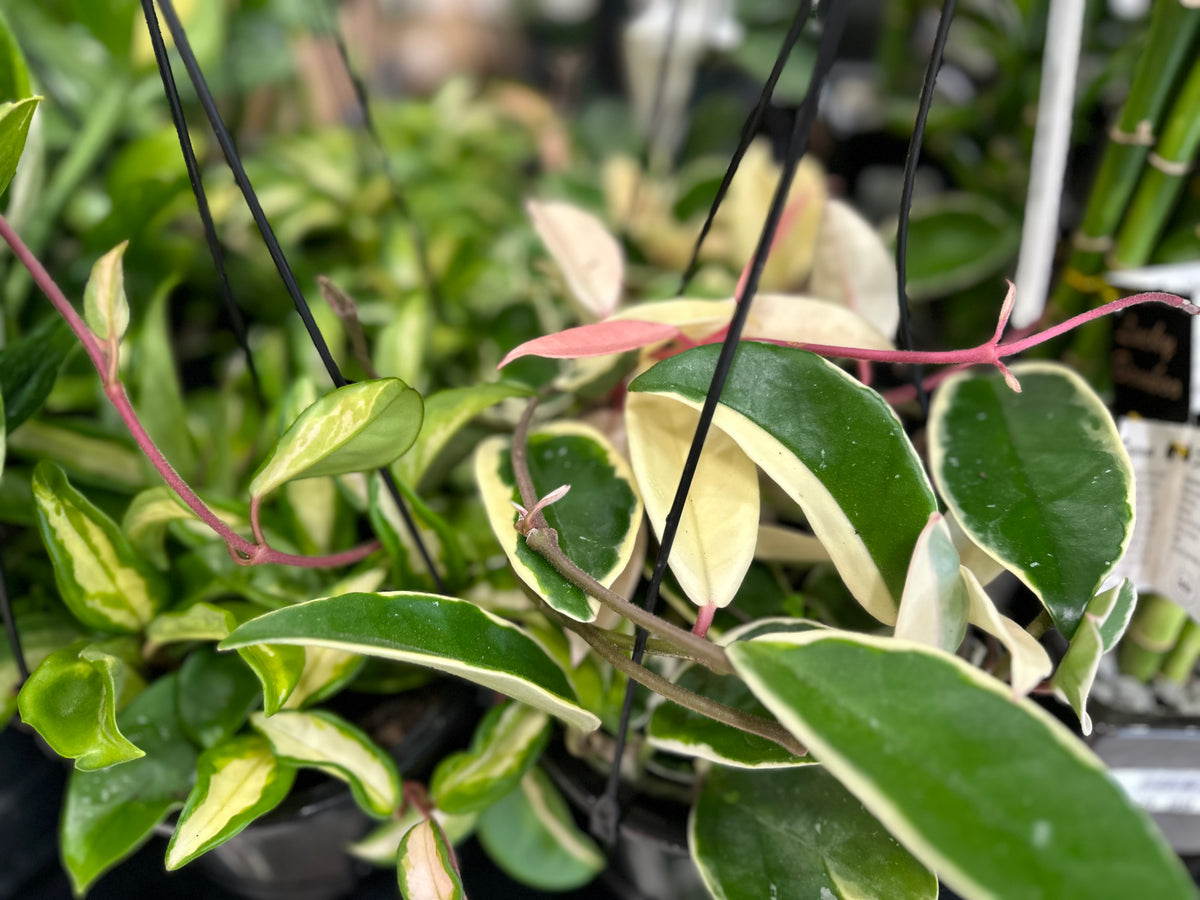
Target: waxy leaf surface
[103, 581]
[934, 606]
[321, 740]
[833, 445]
[217, 691]
[438, 632]
[425, 865]
[236, 782]
[1103, 623]
[797, 833]
[352, 429]
[109, 813]
[992, 794]
[597, 521]
[1039, 479]
[718, 530]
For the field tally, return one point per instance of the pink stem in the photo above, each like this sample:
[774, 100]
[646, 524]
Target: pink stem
[242, 550]
[704, 619]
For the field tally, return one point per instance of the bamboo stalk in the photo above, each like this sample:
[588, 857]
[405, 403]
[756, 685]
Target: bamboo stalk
[1162, 182]
[1173, 28]
[1151, 636]
[1182, 659]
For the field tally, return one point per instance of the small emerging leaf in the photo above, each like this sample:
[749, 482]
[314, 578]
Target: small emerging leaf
[352, 429]
[105, 308]
[236, 782]
[854, 268]
[425, 865]
[934, 606]
[321, 740]
[14, 128]
[381, 846]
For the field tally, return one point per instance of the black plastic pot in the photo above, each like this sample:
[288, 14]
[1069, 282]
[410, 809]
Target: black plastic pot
[31, 787]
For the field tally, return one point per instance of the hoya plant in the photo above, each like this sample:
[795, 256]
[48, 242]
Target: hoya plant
[851, 706]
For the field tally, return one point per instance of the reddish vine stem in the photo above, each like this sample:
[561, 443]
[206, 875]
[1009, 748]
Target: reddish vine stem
[104, 359]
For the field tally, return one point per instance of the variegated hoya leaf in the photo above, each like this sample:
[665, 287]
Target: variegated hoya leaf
[105, 308]
[797, 833]
[237, 781]
[103, 581]
[993, 794]
[425, 866]
[587, 255]
[719, 527]
[1039, 479]
[352, 429]
[71, 700]
[437, 632]
[381, 846]
[326, 671]
[14, 128]
[199, 622]
[279, 667]
[507, 743]
[321, 740]
[854, 268]
[531, 835]
[832, 444]
[43, 631]
[1103, 623]
[934, 606]
[1028, 660]
[798, 319]
[597, 521]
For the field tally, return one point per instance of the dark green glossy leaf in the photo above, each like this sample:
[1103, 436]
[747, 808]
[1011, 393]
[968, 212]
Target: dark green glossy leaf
[217, 691]
[597, 521]
[797, 833]
[428, 630]
[29, 366]
[993, 794]
[71, 700]
[352, 429]
[530, 834]
[102, 580]
[834, 446]
[957, 240]
[237, 781]
[108, 814]
[506, 745]
[1039, 479]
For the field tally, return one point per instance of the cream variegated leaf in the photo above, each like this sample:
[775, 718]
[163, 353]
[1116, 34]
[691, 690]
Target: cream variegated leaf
[105, 308]
[934, 605]
[719, 528]
[1030, 662]
[854, 268]
[589, 257]
[808, 320]
[425, 865]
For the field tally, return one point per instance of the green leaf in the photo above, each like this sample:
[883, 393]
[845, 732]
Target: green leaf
[237, 781]
[796, 833]
[71, 700]
[217, 691]
[993, 794]
[105, 307]
[352, 429]
[425, 865]
[100, 577]
[446, 412]
[108, 814]
[381, 846]
[1039, 479]
[530, 835]
[709, 563]
[279, 668]
[1102, 625]
[441, 633]
[326, 671]
[1028, 660]
[958, 240]
[42, 632]
[199, 622]
[833, 445]
[14, 76]
[597, 521]
[14, 128]
[320, 740]
[934, 607]
[506, 745]
[29, 366]
[675, 729]
[159, 401]
[3, 433]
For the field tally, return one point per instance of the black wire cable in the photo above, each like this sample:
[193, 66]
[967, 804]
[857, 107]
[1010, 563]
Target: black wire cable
[232, 158]
[910, 175]
[236, 318]
[606, 812]
[749, 130]
[10, 626]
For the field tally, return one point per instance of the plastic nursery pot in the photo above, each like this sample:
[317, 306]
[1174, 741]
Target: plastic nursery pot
[650, 860]
[31, 786]
[297, 851]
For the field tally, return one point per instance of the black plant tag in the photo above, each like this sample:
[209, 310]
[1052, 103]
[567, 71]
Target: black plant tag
[1152, 365]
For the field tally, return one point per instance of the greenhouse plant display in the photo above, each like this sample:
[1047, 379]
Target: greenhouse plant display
[832, 689]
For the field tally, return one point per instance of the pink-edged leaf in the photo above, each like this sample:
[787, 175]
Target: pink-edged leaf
[597, 339]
